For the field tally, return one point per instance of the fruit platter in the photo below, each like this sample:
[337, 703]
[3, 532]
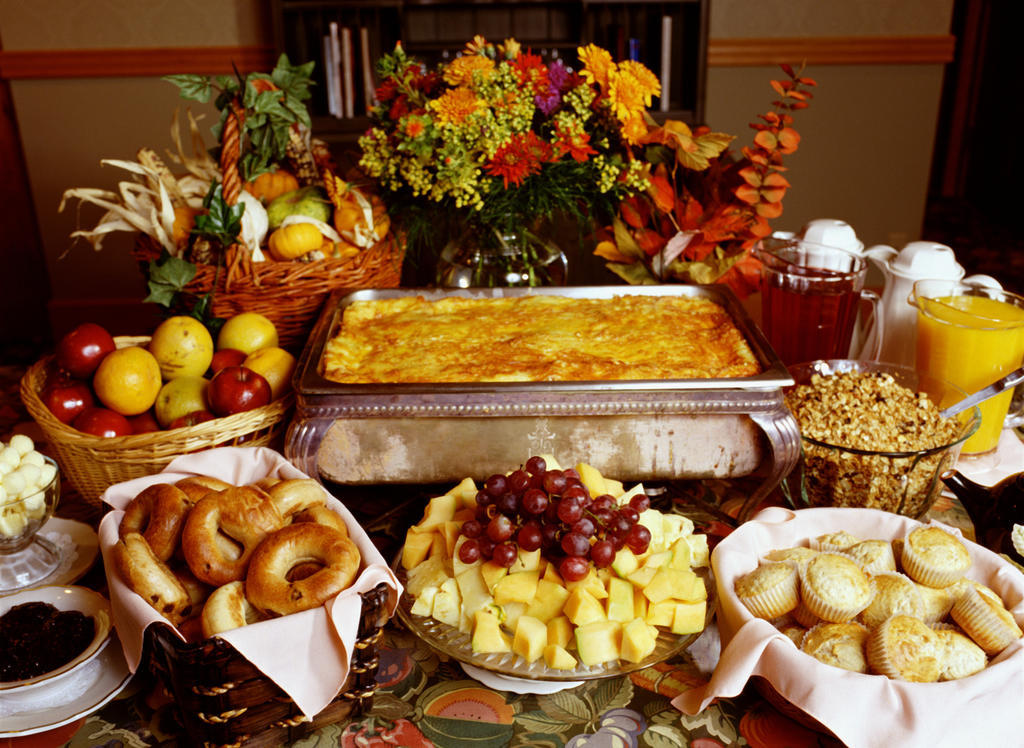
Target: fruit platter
[555, 575]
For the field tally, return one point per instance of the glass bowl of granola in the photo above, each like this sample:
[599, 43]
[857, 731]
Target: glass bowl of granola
[872, 436]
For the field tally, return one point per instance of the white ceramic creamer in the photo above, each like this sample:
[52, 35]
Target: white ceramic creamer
[918, 260]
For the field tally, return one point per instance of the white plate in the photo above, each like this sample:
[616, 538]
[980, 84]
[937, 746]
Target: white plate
[30, 718]
[517, 685]
[78, 556]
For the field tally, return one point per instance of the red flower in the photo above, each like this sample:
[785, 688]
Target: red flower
[576, 145]
[519, 158]
[529, 67]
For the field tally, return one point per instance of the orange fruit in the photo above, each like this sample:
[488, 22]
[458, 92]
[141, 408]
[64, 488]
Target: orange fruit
[128, 380]
[247, 332]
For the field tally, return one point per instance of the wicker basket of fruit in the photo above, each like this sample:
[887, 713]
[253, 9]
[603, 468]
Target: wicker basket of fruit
[267, 227]
[78, 397]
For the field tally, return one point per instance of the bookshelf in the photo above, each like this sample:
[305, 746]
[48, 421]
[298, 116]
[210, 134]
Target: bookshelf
[434, 30]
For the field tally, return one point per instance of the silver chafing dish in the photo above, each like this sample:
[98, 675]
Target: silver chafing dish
[368, 434]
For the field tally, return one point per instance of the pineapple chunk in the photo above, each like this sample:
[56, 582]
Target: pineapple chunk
[473, 590]
[424, 602]
[447, 606]
[557, 657]
[487, 634]
[431, 573]
[699, 553]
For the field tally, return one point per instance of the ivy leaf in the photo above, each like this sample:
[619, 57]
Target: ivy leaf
[193, 87]
[222, 222]
[168, 276]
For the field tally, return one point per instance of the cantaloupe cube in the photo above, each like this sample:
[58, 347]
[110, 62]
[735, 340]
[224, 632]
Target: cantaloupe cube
[464, 515]
[689, 617]
[438, 547]
[558, 658]
[669, 582]
[581, 607]
[560, 631]
[638, 640]
[487, 634]
[639, 603]
[530, 638]
[592, 479]
[520, 587]
[526, 561]
[642, 576]
[512, 613]
[661, 614]
[439, 509]
[417, 546]
[548, 602]
[598, 641]
[551, 574]
[464, 494]
[625, 562]
[591, 583]
[492, 572]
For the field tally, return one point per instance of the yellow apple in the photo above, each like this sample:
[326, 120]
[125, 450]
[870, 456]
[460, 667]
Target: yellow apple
[182, 346]
[179, 397]
[247, 332]
[276, 365]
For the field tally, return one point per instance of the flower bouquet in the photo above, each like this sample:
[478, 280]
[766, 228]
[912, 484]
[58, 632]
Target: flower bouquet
[493, 143]
[705, 207]
[260, 223]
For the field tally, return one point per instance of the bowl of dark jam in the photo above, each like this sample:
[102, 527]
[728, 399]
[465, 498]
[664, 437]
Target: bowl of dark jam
[49, 635]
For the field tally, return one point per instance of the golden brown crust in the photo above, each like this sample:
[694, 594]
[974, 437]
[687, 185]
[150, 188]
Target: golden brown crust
[296, 495]
[150, 577]
[242, 515]
[536, 338]
[158, 513]
[226, 609]
[322, 515]
[905, 648]
[197, 486]
[268, 584]
[838, 644]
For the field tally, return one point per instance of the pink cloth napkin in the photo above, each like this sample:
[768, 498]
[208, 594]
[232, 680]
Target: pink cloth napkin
[861, 710]
[307, 654]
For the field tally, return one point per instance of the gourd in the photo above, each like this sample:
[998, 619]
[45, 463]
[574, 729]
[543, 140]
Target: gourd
[271, 184]
[294, 240]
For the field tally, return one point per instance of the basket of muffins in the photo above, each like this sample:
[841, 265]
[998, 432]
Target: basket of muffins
[909, 620]
[220, 559]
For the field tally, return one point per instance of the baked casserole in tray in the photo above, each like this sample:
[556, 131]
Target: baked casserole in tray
[423, 386]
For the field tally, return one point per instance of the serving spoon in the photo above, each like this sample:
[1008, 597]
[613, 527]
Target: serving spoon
[1000, 385]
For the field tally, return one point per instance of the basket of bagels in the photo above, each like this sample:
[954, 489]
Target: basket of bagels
[249, 591]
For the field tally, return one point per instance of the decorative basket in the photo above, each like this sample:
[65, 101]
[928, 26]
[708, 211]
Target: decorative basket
[222, 699]
[289, 294]
[93, 463]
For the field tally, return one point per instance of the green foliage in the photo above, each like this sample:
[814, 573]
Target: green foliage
[167, 277]
[222, 223]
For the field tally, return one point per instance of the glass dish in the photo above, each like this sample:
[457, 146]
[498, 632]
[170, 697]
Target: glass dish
[907, 483]
[456, 644]
[27, 558]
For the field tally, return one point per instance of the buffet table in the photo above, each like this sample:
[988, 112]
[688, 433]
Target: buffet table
[425, 698]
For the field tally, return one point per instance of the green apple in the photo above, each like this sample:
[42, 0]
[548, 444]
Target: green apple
[306, 201]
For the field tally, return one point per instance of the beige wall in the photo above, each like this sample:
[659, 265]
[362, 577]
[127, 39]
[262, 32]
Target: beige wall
[865, 155]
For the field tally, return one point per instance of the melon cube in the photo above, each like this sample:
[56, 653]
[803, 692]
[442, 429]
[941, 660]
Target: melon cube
[560, 631]
[487, 634]
[530, 638]
[548, 602]
[619, 605]
[689, 617]
[581, 607]
[557, 657]
[598, 641]
[520, 587]
[638, 640]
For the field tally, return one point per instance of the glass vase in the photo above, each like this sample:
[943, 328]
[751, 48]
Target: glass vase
[491, 257]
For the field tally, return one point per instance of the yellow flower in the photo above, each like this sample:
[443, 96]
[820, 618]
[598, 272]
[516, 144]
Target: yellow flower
[511, 48]
[455, 105]
[639, 77]
[597, 64]
[634, 129]
[460, 71]
[477, 45]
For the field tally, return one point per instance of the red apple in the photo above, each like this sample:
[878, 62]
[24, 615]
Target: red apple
[236, 389]
[226, 357]
[102, 422]
[66, 398]
[81, 350]
[191, 419]
[144, 422]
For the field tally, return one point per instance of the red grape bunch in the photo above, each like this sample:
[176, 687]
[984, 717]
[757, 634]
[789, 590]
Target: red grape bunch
[534, 507]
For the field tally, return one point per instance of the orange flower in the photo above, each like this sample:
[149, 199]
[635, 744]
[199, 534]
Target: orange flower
[414, 128]
[462, 69]
[597, 65]
[454, 106]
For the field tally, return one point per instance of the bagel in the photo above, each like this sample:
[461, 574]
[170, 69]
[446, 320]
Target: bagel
[158, 514]
[322, 515]
[197, 486]
[150, 577]
[266, 483]
[296, 495]
[223, 530]
[197, 591]
[192, 629]
[228, 609]
[272, 588]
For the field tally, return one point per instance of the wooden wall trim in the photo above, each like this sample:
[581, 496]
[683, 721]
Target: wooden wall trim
[835, 50]
[157, 61]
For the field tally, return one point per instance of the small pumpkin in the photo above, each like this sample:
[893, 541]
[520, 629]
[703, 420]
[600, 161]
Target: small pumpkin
[294, 240]
[271, 184]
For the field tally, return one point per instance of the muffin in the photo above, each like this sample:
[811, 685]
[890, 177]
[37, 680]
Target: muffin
[934, 557]
[834, 587]
[894, 594]
[874, 556]
[799, 555]
[834, 541]
[959, 656]
[803, 615]
[793, 630]
[981, 614]
[770, 590]
[838, 644]
[905, 648]
[935, 601]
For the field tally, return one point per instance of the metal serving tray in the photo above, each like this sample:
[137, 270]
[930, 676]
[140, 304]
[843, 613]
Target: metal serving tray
[364, 434]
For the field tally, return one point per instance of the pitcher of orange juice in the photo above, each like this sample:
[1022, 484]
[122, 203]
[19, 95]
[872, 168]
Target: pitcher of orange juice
[970, 335]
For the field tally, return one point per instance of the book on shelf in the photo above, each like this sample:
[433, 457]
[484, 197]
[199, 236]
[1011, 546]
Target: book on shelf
[348, 91]
[666, 61]
[332, 80]
[366, 65]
